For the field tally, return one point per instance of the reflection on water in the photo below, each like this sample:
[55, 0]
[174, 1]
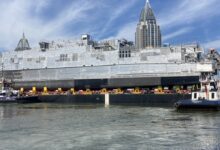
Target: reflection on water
[57, 126]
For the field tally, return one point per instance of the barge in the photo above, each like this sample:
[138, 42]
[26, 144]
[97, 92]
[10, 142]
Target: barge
[108, 99]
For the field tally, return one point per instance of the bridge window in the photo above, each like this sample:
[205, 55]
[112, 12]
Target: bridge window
[213, 95]
[195, 95]
[63, 57]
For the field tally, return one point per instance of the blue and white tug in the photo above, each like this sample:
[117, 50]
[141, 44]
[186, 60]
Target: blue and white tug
[207, 98]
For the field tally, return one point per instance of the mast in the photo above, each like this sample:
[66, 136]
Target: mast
[148, 3]
[145, 11]
[2, 76]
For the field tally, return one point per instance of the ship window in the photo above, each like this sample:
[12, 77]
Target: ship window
[63, 57]
[29, 59]
[12, 60]
[213, 95]
[42, 58]
[44, 45]
[75, 57]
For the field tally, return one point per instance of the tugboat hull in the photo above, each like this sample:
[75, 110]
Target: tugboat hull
[198, 104]
[7, 100]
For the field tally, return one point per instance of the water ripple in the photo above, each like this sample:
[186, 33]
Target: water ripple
[82, 127]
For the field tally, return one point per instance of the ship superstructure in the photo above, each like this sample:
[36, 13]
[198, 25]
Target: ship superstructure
[85, 63]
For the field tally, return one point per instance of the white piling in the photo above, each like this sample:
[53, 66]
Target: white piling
[107, 100]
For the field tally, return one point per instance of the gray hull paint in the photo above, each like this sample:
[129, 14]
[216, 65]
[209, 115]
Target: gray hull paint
[109, 83]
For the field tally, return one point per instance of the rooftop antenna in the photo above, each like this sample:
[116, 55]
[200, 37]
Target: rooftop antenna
[147, 3]
[23, 35]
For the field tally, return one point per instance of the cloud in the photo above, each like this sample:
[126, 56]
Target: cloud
[185, 16]
[177, 33]
[118, 11]
[17, 16]
[212, 44]
[127, 32]
[187, 12]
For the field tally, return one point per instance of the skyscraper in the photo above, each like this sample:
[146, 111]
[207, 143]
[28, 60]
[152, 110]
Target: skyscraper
[148, 33]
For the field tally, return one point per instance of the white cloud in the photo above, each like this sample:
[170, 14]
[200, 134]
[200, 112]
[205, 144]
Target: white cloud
[188, 11]
[128, 31]
[177, 33]
[16, 17]
[117, 12]
[212, 44]
[41, 4]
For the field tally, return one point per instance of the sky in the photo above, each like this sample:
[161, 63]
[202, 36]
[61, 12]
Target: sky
[181, 21]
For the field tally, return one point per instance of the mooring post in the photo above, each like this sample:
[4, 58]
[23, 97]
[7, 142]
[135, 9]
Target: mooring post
[107, 100]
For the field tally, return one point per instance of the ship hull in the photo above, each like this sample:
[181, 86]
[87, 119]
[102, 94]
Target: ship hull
[108, 83]
[114, 99]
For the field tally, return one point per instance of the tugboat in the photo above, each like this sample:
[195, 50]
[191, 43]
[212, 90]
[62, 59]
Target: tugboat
[207, 98]
[7, 94]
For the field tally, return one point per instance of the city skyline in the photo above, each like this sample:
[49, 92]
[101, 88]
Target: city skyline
[181, 21]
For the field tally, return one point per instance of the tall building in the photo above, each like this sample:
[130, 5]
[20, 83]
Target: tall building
[148, 34]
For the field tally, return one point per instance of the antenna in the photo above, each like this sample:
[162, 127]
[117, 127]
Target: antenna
[147, 3]
[23, 35]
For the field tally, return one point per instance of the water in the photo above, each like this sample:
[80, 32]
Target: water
[94, 127]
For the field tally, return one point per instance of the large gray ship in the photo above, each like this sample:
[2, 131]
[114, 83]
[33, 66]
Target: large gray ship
[85, 63]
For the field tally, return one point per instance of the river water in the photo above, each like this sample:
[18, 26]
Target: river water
[95, 127]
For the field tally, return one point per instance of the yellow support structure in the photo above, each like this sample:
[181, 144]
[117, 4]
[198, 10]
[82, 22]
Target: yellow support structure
[160, 90]
[119, 91]
[136, 91]
[104, 91]
[21, 91]
[88, 92]
[60, 90]
[34, 90]
[72, 91]
[177, 89]
[45, 91]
